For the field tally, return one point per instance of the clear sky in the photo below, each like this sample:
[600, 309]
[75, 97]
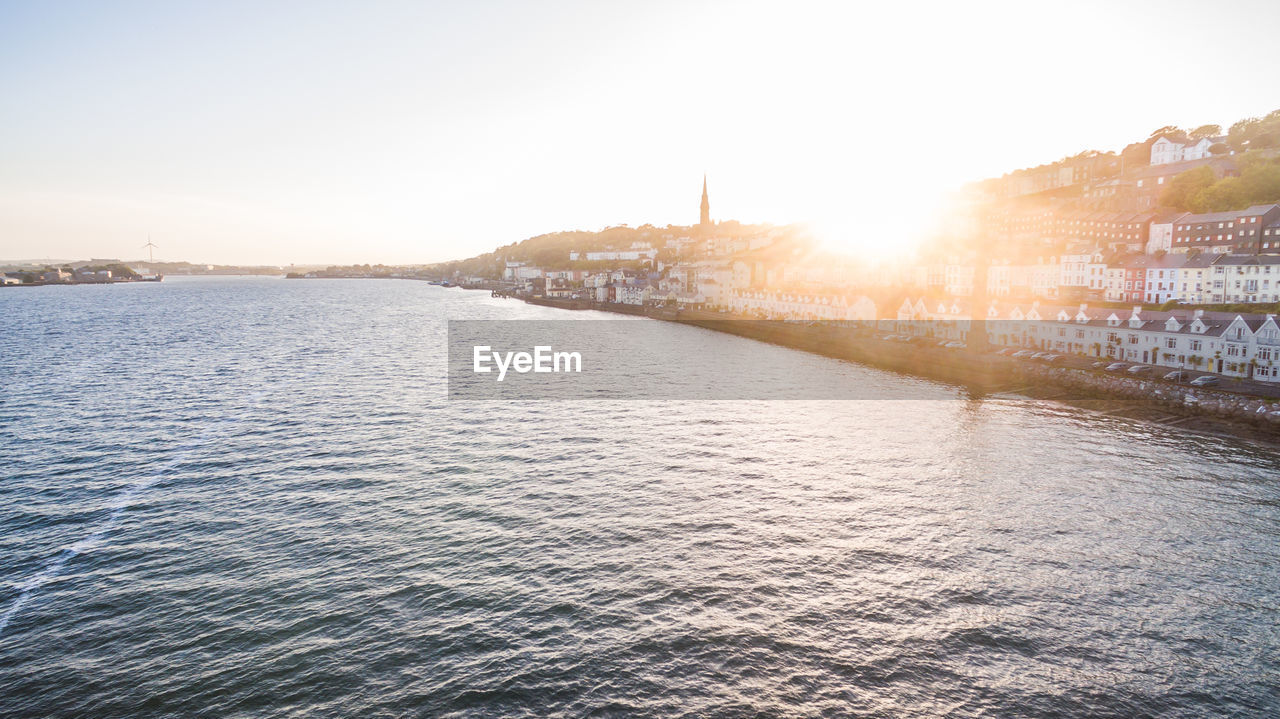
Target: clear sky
[383, 131]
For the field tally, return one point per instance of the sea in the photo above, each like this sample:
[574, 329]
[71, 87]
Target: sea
[255, 497]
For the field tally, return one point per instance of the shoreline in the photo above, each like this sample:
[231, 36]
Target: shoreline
[93, 282]
[1215, 412]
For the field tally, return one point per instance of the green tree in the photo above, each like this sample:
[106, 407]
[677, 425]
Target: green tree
[1242, 132]
[1186, 185]
[1229, 193]
[1264, 140]
[1205, 131]
[1173, 132]
[1136, 154]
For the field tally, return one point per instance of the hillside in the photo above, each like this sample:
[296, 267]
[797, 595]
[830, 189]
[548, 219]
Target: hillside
[551, 251]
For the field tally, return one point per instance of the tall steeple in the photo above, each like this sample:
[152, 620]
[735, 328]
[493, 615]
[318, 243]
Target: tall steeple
[705, 222]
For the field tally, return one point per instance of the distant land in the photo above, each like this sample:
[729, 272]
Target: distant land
[146, 267]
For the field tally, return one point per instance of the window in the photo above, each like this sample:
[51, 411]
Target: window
[1195, 345]
[1171, 343]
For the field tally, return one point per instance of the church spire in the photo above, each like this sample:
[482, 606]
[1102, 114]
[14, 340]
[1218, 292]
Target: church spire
[705, 222]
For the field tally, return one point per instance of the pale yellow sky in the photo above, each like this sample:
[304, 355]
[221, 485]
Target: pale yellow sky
[417, 132]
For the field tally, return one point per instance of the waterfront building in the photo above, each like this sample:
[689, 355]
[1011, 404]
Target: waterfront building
[692, 300]
[1231, 344]
[560, 288]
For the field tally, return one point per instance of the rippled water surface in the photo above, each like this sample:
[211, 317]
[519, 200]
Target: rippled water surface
[250, 497]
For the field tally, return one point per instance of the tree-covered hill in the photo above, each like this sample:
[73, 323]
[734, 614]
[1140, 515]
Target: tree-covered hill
[1200, 190]
[551, 250]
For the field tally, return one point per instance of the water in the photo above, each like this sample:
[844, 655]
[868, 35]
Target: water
[251, 497]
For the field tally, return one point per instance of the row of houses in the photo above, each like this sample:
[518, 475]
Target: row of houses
[800, 305]
[1090, 273]
[1236, 345]
[1254, 230]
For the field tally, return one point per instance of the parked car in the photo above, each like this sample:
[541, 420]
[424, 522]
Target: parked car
[1176, 376]
[1099, 365]
[1052, 359]
[1139, 369]
[954, 344]
[1023, 353]
[1006, 351]
[1206, 380]
[1115, 367]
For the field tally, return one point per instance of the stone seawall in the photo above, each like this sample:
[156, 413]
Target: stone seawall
[1196, 408]
[1177, 399]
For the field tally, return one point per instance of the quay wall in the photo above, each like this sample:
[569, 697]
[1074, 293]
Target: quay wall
[979, 372]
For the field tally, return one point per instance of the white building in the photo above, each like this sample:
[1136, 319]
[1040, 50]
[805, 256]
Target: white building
[1114, 291]
[1195, 279]
[802, 306]
[633, 293]
[958, 280]
[1165, 151]
[1161, 282]
[1160, 234]
[613, 255]
[1082, 267]
[1246, 279]
[1235, 345]
[1044, 280]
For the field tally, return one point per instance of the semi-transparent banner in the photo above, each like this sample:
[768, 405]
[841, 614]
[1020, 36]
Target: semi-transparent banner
[757, 359]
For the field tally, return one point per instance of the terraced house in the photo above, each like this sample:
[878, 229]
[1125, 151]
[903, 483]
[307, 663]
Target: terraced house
[1234, 345]
[1246, 279]
[1237, 231]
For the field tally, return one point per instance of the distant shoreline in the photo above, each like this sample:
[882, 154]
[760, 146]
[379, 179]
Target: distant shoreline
[113, 281]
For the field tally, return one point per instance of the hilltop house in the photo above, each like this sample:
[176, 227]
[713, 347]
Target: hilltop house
[1166, 150]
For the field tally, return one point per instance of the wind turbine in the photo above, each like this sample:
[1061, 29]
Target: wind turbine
[150, 247]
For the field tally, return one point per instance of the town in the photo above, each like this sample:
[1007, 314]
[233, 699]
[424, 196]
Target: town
[1135, 256]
